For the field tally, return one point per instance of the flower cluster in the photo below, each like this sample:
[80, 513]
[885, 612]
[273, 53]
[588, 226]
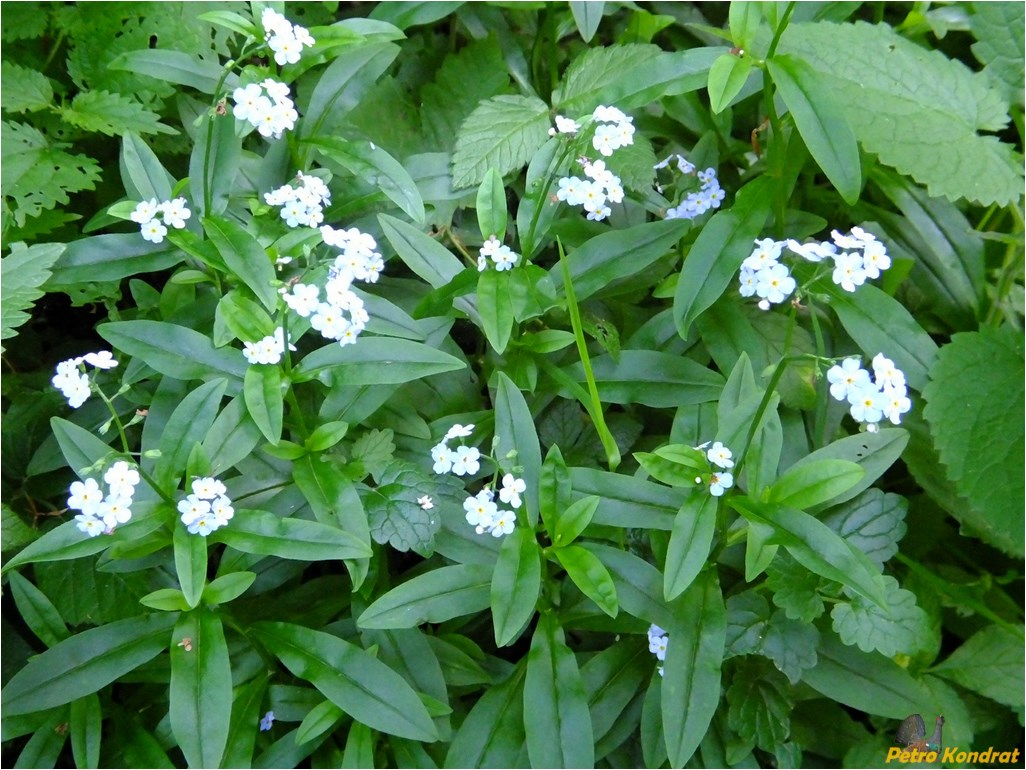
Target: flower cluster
[857, 257]
[709, 196]
[657, 641]
[614, 130]
[870, 400]
[485, 515]
[285, 39]
[502, 255]
[720, 480]
[266, 106]
[99, 513]
[463, 461]
[269, 350]
[593, 193]
[173, 212]
[303, 205]
[207, 508]
[73, 382]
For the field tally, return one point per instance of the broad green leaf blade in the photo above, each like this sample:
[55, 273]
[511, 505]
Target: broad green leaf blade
[502, 133]
[652, 378]
[557, 723]
[496, 306]
[245, 257]
[260, 532]
[588, 573]
[999, 44]
[626, 501]
[377, 361]
[974, 404]
[872, 521]
[264, 399]
[990, 662]
[85, 727]
[142, 173]
[492, 735]
[45, 746]
[903, 628]
[424, 255]
[393, 513]
[22, 275]
[80, 448]
[225, 588]
[27, 89]
[212, 171]
[491, 206]
[814, 482]
[716, 255]
[239, 317]
[318, 721]
[612, 679]
[573, 520]
[587, 17]
[37, 611]
[639, 586]
[821, 123]
[434, 597]
[351, 678]
[245, 722]
[514, 430]
[516, 584]
[690, 541]
[187, 425]
[691, 681]
[175, 67]
[201, 688]
[359, 750]
[190, 563]
[110, 258]
[173, 350]
[59, 544]
[86, 662]
[109, 113]
[727, 77]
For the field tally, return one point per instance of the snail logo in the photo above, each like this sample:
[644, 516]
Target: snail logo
[912, 733]
[920, 749]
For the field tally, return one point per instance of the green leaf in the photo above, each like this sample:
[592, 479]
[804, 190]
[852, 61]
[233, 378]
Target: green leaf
[690, 541]
[979, 427]
[85, 727]
[652, 378]
[375, 167]
[242, 319]
[814, 482]
[165, 600]
[245, 257]
[231, 438]
[727, 77]
[516, 583]
[816, 546]
[112, 114]
[213, 167]
[434, 597]
[990, 663]
[998, 43]
[599, 263]
[375, 450]
[46, 744]
[359, 751]
[200, 692]
[691, 681]
[26, 91]
[37, 611]
[264, 399]
[85, 663]
[589, 574]
[225, 588]
[917, 110]
[318, 721]
[173, 350]
[110, 258]
[573, 520]
[760, 707]
[491, 206]
[375, 446]
[587, 17]
[557, 724]
[245, 721]
[492, 735]
[377, 361]
[22, 275]
[494, 300]
[190, 564]
[187, 426]
[751, 628]
[394, 514]
[902, 627]
[175, 67]
[626, 501]
[795, 589]
[59, 544]
[501, 133]
[639, 586]
[514, 430]
[873, 522]
[744, 19]
[821, 121]
[142, 173]
[716, 255]
[351, 678]
[260, 532]
[612, 679]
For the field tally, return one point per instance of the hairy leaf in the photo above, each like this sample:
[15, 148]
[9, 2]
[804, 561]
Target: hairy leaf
[502, 133]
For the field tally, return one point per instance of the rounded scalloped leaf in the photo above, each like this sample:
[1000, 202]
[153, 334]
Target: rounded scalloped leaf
[974, 405]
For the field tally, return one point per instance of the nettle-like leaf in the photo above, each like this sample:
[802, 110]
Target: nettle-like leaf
[753, 627]
[394, 514]
[112, 114]
[502, 133]
[902, 628]
[997, 28]
[795, 589]
[917, 110]
[375, 449]
[990, 663]
[37, 175]
[760, 706]
[974, 405]
[873, 522]
[23, 21]
[25, 90]
[22, 274]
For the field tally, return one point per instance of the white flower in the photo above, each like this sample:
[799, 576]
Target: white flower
[250, 102]
[482, 263]
[720, 482]
[114, 510]
[571, 189]
[303, 299]
[208, 488]
[505, 258]
[193, 508]
[86, 496]
[153, 231]
[286, 49]
[102, 359]
[426, 502]
[480, 512]
[653, 629]
[657, 646]
[490, 247]
[459, 431]
[566, 125]
[145, 211]
[222, 510]
[122, 479]
[708, 177]
[274, 23]
[895, 404]
[848, 271]
[847, 378]
[765, 254]
[813, 252]
[747, 281]
[866, 403]
[175, 213]
[875, 259]
[609, 115]
[466, 461]
[329, 321]
[605, 140]
[720, 456]
[443, 457]
[89, 524]
[774, 283]
[503, 523]
[886, 374]
[857, 239]
[511, 490]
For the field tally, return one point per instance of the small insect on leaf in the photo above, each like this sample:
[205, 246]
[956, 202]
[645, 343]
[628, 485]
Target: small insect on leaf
[186, 643]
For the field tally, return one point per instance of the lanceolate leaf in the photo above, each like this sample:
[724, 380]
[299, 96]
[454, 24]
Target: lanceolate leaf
[261, 532]
[173, 350]
[434, 597]
[492, 735]
[516, 584]
[514, 430]
[690, 540]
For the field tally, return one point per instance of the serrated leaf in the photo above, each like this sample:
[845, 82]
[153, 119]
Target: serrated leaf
[375, 449]
[790, 644]
[997, 28]
[502, 133]
[760, 707]
[22, 273]
[795, 589]
[393, 512]
[977, 425]
[917, 110]
[990, 662]
[112, 114]
[901, 628]
[25, 90]
[873, 522]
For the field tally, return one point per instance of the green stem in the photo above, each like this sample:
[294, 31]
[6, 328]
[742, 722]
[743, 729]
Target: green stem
[115, 418]
[540, 199]
[290, 395]
[780, 29]
[819, 423]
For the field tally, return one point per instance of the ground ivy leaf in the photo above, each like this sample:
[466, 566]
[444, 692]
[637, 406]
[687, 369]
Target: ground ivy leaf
[375, 449]
[790, 644]
[394, 514]
[873, 522]
[904, 628]
[747, 615]
[795, 589]
[759, 706]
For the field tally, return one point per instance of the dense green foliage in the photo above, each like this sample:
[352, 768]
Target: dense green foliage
[805, 575]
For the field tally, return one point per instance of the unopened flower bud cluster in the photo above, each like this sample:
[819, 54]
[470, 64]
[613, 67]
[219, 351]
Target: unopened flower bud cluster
[870, 400]
[285, 39]
[601, 186]
[173, 213]
[658, 639]
[100, 513]
[501, 255]
[857, 256]
[73, 382]
[302, 205]
[709, 196]
[208, 508]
